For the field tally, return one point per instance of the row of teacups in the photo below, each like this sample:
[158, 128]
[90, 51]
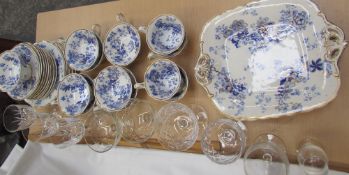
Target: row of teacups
[165, 36]
[114, 87]
[28, 72]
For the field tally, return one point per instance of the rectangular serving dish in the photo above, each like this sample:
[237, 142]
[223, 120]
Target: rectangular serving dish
[270, 58]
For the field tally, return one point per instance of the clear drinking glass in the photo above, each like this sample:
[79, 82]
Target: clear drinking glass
[44, 126]
[224, 141]
[312, 158]
[202, 117]
[267, 156]
[177, 127]
[70, 132]
[138, 122]
[18, 117]
[103, 131]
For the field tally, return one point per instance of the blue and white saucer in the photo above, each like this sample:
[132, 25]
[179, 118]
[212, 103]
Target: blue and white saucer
[83, 50]
[122, 44]
[30, 59]
[10, 70]
[114, 88]
[74, 94]
[58, 56]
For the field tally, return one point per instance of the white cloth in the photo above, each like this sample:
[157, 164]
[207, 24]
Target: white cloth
[11, 159]
[44, 159]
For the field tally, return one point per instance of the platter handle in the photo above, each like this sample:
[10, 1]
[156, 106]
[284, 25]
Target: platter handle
[335, 45]
[203, 70]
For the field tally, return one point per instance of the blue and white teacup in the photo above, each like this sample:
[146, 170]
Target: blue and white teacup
[164, 81]
[165, 36]
[12, 70]
[114, 88]
[75, 94]
[83, 49]
[122, 43]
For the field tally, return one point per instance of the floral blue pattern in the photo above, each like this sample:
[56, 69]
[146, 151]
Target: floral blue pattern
[264, 30]
[10, 70]
[165, 35]
[113, 88]
[74, 94]
[266, 60]
[82, 50]
[122, 44]
[58, 56]
[293, 16]
[316, 65]
[234, 89]
[162, 79]
[29, 59]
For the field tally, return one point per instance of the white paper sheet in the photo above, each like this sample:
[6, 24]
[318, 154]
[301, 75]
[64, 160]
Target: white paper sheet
[46, 159]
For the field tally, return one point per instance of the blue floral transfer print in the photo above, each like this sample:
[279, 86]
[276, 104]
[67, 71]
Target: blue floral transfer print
[265, 31]
[74, 94]
[294, 17]
[122, 44]
[316, 65]
[167, 34]
[82, 50]
[234, 89]
[29, 59]
[10, 70]
[59, 59]
[113, 88]
[162, 79]
[267, 60]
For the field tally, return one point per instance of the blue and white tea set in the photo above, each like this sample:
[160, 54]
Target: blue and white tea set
[256, 62]
[267, 59]
[47, 72]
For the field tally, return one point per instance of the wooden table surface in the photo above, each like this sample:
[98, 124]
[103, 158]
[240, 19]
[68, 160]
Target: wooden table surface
[329, 125]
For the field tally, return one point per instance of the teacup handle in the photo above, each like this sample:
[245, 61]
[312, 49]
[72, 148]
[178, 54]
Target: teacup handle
[139, 86]
[143, 29]
[152, 55]
[120, 17]
[60, 39]
[242, 125]
[97, 29]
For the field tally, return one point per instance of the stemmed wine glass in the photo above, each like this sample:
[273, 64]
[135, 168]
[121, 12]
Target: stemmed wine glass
[103, 131]
[138, 121]
[177, 127]
[267, 156]
[202, 117]
[312, 158]
[224, 141]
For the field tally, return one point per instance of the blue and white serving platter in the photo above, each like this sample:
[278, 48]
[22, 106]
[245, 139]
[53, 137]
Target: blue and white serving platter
[122, 44]
[270, 58]
[74, 94]
[83, 50]
[30, 58]
[113, 88]
[61, 68]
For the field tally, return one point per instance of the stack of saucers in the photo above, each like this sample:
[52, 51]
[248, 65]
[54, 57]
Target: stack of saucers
[60, 44]
[36, 77]
[55, 49]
